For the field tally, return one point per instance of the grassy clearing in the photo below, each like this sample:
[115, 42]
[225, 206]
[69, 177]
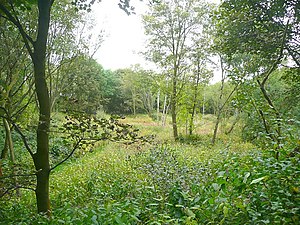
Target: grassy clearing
[189, 182]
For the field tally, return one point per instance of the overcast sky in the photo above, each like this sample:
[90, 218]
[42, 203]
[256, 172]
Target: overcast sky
[123, 35]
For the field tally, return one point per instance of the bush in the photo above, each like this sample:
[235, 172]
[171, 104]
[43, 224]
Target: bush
[168, 185]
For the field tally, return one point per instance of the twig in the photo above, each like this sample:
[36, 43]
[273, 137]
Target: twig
[18, 175]
[15, 188]
[23, 139]
[70, 154]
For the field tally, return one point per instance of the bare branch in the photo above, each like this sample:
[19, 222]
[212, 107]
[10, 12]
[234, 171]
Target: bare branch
[23, 139]
[70, 154]
[18, 175]
[15, 188]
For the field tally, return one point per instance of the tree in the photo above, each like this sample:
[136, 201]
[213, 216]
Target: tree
[170, 26]
[15, 81]
[267, 33]
[85, 92]
[69, 38]
[200, 76]
[36, 46]
[222, 100]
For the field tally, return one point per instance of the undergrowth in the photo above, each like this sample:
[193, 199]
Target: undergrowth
[230, 183]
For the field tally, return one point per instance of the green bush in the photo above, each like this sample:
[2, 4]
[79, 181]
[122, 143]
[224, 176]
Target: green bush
[168, 185]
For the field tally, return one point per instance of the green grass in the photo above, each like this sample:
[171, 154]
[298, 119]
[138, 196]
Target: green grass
[189, 182]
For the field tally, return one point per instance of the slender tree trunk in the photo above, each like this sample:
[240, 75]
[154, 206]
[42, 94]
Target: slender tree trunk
[173, 109]
[219, 107]
[174, 120]
[165, 112]
[5, 149]
[133, 93]
[11, 151]
[237, 117]
[196, 88]
[216, 128]
[157, 106]
[37, 51]
[191, 126]
[9, 140]
[277, 114]
[41, 157]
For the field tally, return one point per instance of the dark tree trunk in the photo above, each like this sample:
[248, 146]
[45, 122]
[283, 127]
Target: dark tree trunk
[41, 157]
[191, 126]
[196, 87]
[173, 109]
[216, 128]
[37, 51]
[5, 149]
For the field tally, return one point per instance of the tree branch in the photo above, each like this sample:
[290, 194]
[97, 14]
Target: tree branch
[70, 154]
[23, 139]
[15, 188]
[17, 175]
[291, 52]
[275, 64]
[27, 39]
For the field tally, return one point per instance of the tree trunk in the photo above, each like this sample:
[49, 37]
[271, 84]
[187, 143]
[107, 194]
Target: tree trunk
[237, 117]
[41, 157]
[157, 106]
[10, 146]
[174, 120]
[37, 52]
[164, 113]
[277, 114]
[173, 111]
[5, 149]
[191, 126]
[133, 93]
[9, 140]
[219, 106]
[216, 128]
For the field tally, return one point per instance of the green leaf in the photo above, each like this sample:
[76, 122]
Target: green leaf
[190, 213]
[225, 210]
[247, 175]
[94, 219]
[258, 180]
[216, 186]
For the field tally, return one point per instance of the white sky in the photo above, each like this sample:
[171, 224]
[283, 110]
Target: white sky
[124, 35]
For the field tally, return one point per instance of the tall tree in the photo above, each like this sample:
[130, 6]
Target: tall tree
[170, 26]
[268, 32]
[36, 46]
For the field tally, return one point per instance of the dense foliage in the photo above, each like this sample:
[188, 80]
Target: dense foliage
[169, 185]
[235, 157]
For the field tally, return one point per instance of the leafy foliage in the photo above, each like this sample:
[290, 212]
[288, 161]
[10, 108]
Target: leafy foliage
[170, 185]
